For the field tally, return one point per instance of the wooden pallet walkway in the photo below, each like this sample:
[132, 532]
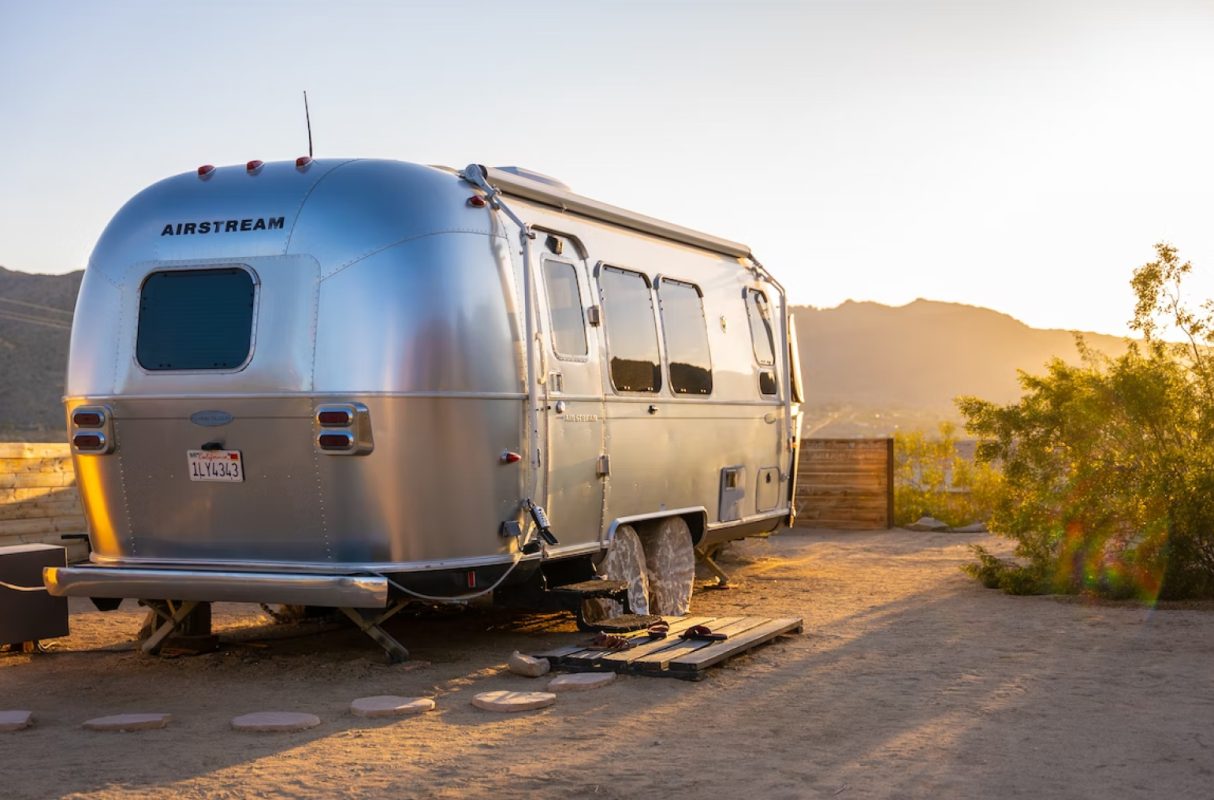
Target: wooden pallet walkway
[673, 657]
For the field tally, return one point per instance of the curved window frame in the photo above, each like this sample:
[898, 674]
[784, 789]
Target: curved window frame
[256, 282]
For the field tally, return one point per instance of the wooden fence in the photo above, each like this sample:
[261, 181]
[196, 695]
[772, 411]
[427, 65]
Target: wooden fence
[38, 500]
[846, 483]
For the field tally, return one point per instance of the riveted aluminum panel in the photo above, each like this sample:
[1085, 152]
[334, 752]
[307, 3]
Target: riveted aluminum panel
[383, 286]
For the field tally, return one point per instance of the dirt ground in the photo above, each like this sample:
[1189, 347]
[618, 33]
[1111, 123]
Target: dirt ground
[909, 681]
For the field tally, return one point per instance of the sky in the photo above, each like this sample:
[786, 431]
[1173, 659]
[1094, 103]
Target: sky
[1019, 155]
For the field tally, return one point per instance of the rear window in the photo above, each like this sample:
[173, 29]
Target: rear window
[195, 319]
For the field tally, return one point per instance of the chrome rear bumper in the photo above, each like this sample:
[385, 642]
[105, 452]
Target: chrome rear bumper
[341, 591]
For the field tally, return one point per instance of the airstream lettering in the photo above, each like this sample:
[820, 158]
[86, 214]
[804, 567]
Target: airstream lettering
[224, 226]
[421, 382]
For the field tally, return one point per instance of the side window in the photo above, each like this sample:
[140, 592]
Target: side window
[759, 311]
[632, 337]
[760, 327]
[565, 309]
[686, 333]
[193, 319]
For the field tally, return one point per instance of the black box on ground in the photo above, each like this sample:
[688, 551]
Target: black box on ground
[28, 616]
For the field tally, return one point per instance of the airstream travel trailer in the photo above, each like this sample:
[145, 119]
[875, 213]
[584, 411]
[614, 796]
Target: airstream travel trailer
[349, 383]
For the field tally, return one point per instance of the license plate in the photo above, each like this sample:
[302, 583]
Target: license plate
[215, 465]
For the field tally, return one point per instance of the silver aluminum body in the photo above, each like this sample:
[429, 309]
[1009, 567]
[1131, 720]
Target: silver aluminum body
[384, 287]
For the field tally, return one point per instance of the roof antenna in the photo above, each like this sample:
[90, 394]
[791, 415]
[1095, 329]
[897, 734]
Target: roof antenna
[308, 118]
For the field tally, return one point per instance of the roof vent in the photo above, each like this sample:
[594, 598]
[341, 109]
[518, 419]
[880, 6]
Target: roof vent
[538, 177]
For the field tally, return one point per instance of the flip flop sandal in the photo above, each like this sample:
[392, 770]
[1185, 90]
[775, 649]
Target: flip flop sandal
[658, 630]
[607, 641]
[703, 633]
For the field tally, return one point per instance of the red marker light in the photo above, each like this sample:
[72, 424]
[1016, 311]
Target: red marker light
[335, 441]
[335, 418]
[87, 419]
[253, 166]
[509, 457]
[476, 201]
[205, 170]
[303, 161]
[88, 441]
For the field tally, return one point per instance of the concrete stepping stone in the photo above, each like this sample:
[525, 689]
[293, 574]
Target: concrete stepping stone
[389, 705]
[128, 722]
[508, 701]
[273, 721]
[529, 666]
[927, 524]
[580, 681]
[15, 720]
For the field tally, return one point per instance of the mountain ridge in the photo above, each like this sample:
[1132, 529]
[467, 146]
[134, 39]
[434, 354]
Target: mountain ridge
[35, 315]
[870, 369]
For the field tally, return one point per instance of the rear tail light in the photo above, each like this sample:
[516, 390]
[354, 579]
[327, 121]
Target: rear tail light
[88, 419]
[334, 417]
[90, 442]
[92, 430]
[343, 429]
[335, 441]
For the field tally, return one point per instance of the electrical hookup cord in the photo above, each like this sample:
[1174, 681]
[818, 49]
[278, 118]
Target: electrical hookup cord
[462, 598]
[22, 588]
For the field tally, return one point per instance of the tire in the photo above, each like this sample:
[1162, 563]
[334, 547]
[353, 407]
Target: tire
[670, 562]
[625, 561]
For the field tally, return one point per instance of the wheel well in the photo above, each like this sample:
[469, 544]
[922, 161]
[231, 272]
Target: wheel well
[696, 519]
[695, 522]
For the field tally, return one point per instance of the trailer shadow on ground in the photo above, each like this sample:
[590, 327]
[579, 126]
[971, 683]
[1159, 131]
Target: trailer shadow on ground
[909, 680]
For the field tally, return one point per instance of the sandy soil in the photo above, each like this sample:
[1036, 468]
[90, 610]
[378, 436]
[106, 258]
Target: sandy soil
[910, 681]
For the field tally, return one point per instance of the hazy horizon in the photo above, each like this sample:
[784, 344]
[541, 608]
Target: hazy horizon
[816, 307]
[1023, 157]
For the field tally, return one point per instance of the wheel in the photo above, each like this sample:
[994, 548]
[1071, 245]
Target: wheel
[670, 562]
[625, 561]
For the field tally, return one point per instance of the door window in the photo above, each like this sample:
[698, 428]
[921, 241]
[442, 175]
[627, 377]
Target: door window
[565, 309]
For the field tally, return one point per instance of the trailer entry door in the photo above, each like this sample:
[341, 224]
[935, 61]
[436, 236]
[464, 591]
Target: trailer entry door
[575, 416]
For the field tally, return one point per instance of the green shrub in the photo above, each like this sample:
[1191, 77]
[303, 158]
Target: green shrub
[1108, 466]
[932, 480]
[998, 573]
